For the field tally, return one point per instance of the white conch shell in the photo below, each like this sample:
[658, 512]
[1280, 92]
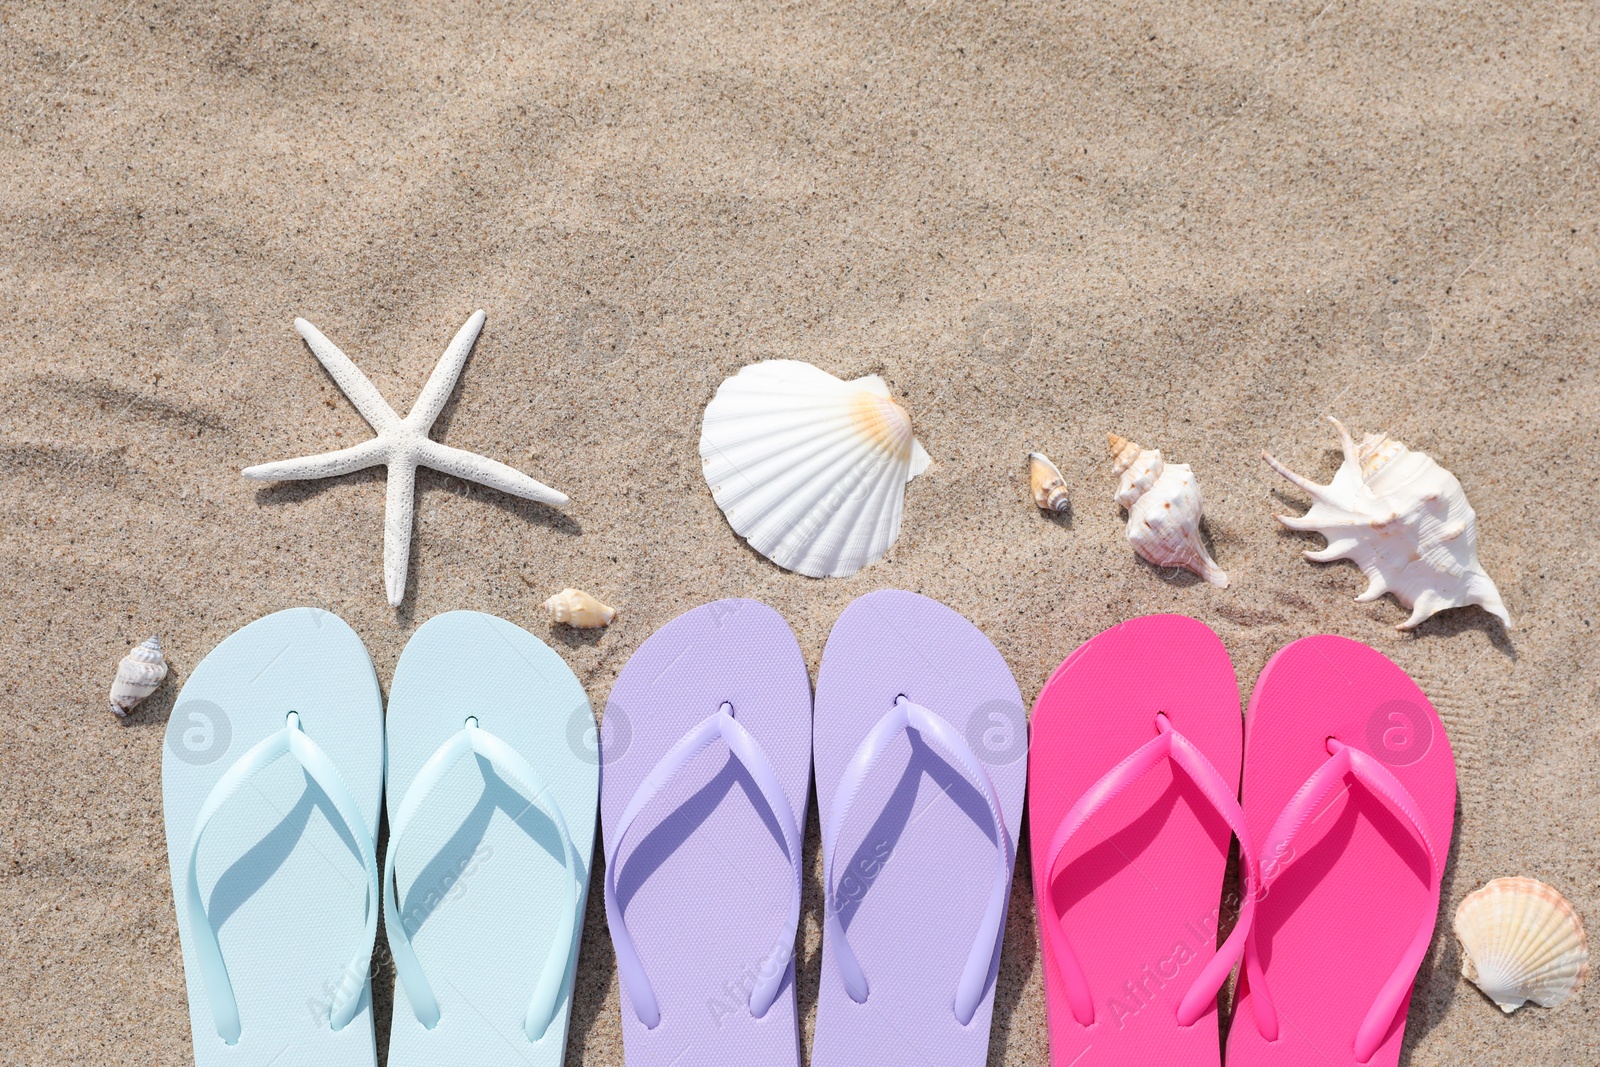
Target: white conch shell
[811, 470]
[1521, 941]
[138, 675]
[579, 610]
[1164, 506]
[1049, 488]
[1405, 521]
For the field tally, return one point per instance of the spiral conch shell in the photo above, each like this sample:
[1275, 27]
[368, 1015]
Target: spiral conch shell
[1164, 505]
[1405, 521]
[1521, 941]
[579, 610]
[138, 675]
[1049, 488]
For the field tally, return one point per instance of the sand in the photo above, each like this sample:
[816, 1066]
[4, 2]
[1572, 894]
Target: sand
[1201, 226]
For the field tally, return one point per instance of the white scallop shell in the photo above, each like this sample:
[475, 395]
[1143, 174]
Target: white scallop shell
[1049, 488]
[1405, 521]
[138, 675]
[1164, 509]
[811, 470]
[578, 609]
[1521, 941]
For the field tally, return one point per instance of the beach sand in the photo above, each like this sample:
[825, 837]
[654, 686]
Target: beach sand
[1201, 226]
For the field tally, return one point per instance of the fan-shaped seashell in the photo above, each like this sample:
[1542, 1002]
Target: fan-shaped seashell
[1049, 488]
[811, 470]
[578, 609]
[1405, 521]
[1521, 941]
[138, 675]
[1164, 509]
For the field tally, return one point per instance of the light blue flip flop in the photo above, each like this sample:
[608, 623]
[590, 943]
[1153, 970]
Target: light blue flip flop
[270, 782]
[487, 869]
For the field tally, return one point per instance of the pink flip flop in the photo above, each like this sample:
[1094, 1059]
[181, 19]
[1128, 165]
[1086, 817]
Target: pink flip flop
[1350, 787]
[1132, 775]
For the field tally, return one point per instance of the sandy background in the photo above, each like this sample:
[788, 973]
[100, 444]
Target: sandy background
[1200, 225]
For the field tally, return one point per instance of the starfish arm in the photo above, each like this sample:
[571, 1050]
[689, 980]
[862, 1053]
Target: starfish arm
[355, 385]
[323, 465]
[485, 471]
[443, 379]
[397, 523]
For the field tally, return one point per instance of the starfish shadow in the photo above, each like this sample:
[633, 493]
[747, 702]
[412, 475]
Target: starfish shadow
[530, 511]
[293, 492]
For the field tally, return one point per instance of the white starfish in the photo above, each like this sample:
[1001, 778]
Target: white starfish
[403, 445]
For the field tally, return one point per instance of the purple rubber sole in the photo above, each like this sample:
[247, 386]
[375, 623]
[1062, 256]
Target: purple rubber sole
[703, 878]
[914, 860]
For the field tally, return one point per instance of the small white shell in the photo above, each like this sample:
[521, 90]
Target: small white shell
[1521, 941]
[579, 610]
[1164, 509]
[809, 469]
[1049, 488]
[1405, 521]
[138, 675]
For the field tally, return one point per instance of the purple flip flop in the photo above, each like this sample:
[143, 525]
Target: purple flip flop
[705, 768]
[921, 745]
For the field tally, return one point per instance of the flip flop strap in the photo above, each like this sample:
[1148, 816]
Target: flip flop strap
[510, 765]
[748, 751]
[975, 974]
[1391, 999]
[1167, 744]
[208, 951]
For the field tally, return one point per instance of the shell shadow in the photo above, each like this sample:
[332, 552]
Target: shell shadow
[1455, 621]
[752, 551]
[1291, 506]
[1062, 518]
[568, 637]
[1181, 577]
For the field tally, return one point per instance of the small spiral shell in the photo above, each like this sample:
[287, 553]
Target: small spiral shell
[138, 675]
[579, 610]
[1049, 488]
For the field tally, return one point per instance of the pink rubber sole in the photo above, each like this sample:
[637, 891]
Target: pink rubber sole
[1352, 888]
[1139, 888]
